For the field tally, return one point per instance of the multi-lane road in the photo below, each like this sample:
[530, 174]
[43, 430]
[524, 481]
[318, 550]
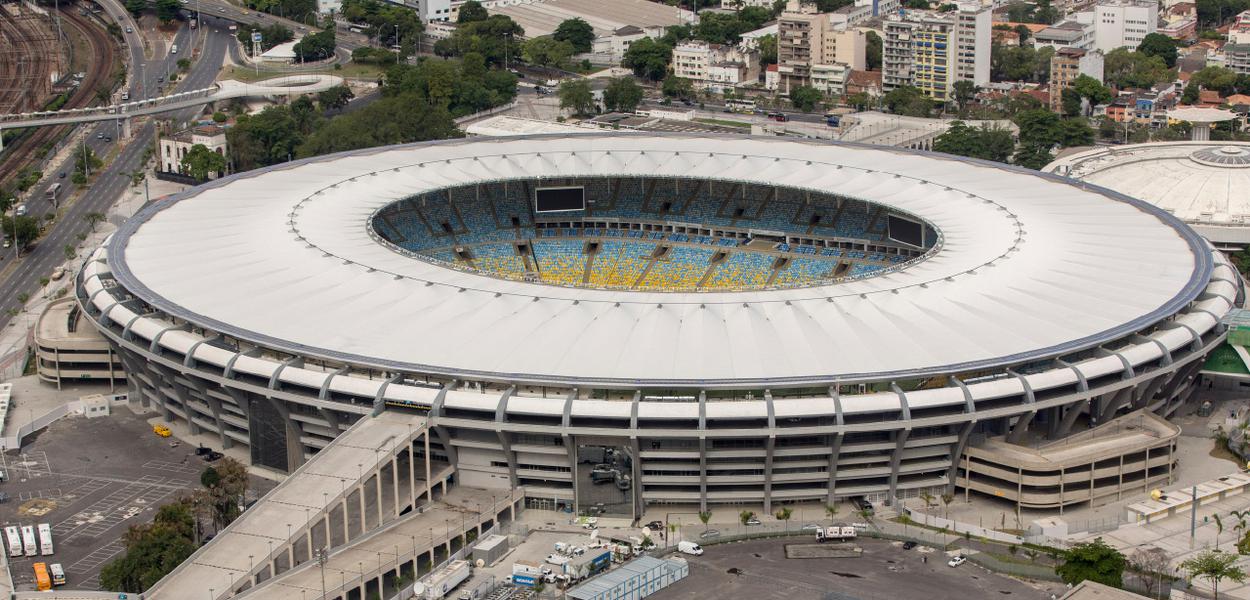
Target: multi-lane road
[212, 40]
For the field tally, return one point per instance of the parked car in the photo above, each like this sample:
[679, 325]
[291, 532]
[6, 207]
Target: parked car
[958, 560]
[655, 526]
[161, 430]
[709, 534]
[213, 455]
[810, 527]
[753, 521]
[909, 545]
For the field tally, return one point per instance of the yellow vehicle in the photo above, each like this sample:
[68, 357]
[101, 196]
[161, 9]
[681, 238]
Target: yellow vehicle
[42, 581]
[161, 430]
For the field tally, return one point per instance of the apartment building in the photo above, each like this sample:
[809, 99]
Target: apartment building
[1068, 34]
[1066, 65]
[1237, 58]
[807, 38]
[715, 67]
[932, 50]
[1239, 31]
[1123, 23]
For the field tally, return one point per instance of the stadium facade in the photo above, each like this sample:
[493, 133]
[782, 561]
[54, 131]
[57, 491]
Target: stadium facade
[507, 289]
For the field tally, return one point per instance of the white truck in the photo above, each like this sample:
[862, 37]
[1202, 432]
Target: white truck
[439, 584]
[557, 560]
[837, 533]
[528, 574]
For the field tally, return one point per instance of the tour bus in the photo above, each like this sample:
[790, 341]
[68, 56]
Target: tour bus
[28, 541]
[53, 192]
[58, 574]
[742, 106]
[45, 539]
[15, 540]
[43, 582]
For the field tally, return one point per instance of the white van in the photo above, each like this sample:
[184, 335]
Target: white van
[20, 211]
[173, 49]
[689, 548]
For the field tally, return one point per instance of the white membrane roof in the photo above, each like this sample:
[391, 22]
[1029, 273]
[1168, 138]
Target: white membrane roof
[1029, 266]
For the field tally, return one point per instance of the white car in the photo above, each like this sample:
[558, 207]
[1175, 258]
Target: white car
[958, 560]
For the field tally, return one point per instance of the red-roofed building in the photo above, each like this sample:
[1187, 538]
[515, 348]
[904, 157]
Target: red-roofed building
[868, 82]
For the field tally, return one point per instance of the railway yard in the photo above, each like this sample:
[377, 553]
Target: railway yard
[37, 66]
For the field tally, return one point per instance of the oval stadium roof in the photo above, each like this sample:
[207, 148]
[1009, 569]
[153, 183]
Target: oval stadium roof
[1030, 266]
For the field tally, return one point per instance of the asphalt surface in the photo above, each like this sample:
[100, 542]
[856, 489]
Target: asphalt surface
[759, 569]
[49, 251]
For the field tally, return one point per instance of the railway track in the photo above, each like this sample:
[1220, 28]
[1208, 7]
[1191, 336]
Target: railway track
[103, 53]
[21, 73]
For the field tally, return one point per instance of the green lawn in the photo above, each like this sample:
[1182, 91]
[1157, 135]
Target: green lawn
[724, 123]
[349, 71]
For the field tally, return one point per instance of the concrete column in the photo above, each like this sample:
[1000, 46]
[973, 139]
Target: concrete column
[346, 533]
[290, 554]
[412, 476]
[361, 489]
[395, 483]
[429, 490]
[1061, 475]
[377, 474]
[328, 510]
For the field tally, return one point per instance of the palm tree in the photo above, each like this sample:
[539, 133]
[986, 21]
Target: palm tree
[1214, 566]
[947, 498]
[704, 517]
[43, 283]
[831, 510]
[783, 514]
[927, 498]
[1219, 529]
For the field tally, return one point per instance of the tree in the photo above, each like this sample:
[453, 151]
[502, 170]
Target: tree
[908, 100]
[1092, 90]
[677, 87]
[622, 94]
[167, 10]
[136, 7]
[745, 516]
[392, 120]
[1159, 45]
[1220, 79]
[472, 11]
[1214, 566]
[210, 478]
[1033, 156]
[1071, 102]
[575, 95]
[200, 162]
[226, 496]
[316, 46]
[648, 58]
[335, 98]
[1124, 68]
[928, 499]
[962, 93]
[547, 51]
[23, 230]
[948, 498]
[576, 32]
[153, 549]
[805, 98]
[874, 50]
[1219, 530]
[783, 514]
[497, 38]
[704, 517]
[1150, 564]
[1095, 561]
[93, 219]
[768, 50]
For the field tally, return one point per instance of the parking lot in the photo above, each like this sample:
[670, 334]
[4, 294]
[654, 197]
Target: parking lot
[91, 479]
[758, 569]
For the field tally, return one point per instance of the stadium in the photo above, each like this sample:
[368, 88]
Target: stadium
[619, 320]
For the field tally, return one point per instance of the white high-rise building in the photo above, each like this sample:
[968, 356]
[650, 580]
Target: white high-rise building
[1123, 23]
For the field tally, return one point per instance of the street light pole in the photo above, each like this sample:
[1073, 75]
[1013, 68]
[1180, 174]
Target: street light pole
[323, 556]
